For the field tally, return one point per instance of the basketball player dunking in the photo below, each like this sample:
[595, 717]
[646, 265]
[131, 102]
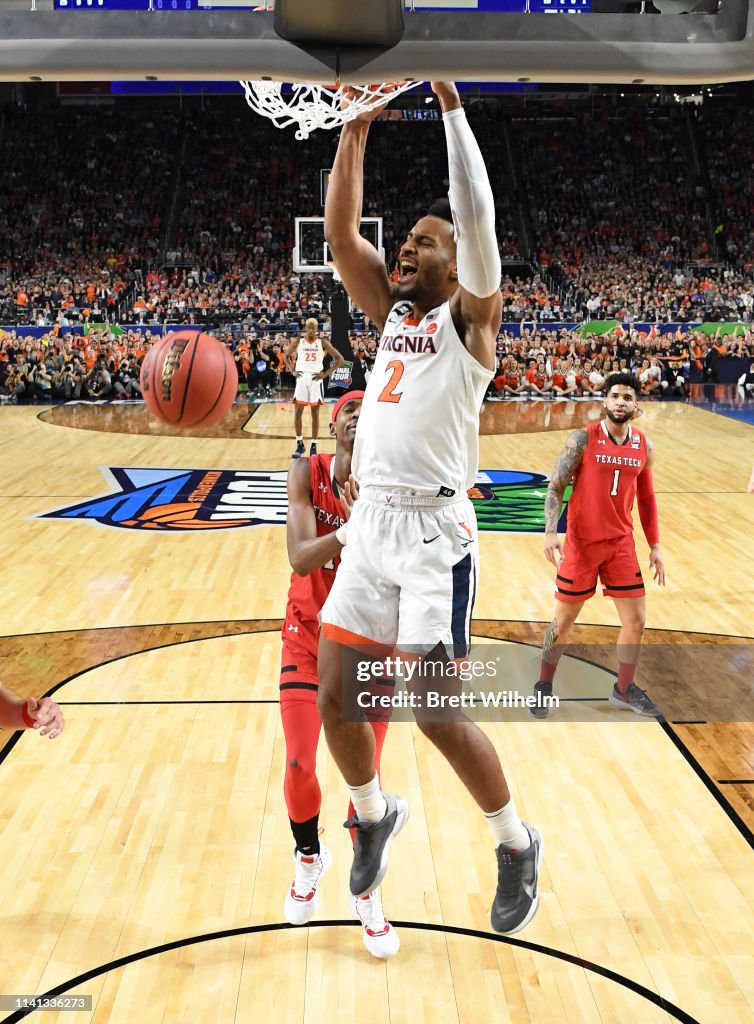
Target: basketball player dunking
[319, 503]
[309, 371]
[409, 564]
[43, 715]
[611, 465]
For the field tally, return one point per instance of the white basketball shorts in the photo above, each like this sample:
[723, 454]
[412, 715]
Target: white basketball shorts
[407, 575]
[308, 390]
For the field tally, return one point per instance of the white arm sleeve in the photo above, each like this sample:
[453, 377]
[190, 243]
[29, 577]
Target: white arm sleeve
[473, 207]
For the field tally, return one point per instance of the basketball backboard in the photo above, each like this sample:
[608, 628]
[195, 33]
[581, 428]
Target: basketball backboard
[311, 253]
[487, 40]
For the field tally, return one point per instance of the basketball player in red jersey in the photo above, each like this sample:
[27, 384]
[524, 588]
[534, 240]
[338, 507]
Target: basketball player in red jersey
[42, 715]
[319, 503]
[408, 576]
[611, 465]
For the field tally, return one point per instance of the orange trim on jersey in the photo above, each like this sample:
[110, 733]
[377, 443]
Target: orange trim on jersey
[349, 639]
[410, 322]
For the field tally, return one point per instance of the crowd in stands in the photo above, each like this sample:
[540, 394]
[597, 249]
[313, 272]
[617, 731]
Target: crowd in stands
[103, 365]
[729, 155]
[69, 367]
[142, 212]
[622, 217]
[568, 364]
[82, 202]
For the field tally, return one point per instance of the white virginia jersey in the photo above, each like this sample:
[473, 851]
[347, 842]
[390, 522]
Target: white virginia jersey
[419, 421]
[310, 358]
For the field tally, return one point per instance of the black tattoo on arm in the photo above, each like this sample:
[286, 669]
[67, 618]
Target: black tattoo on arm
[567, 463]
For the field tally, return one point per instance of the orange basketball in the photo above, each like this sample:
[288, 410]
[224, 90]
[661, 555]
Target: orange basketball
[189, 379]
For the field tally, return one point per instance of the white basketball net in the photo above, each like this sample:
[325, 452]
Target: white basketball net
[318, 106]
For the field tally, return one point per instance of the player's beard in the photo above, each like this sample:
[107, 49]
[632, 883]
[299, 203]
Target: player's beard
[618, 418]
[409, 290]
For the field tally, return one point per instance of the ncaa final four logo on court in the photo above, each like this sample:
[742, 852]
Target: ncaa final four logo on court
[506, 501]
[185, 499]
[182, 500]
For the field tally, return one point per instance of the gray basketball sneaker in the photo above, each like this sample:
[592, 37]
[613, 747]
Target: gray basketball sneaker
[541, 709]
[372, 841]
[517, 896]
[635, 700]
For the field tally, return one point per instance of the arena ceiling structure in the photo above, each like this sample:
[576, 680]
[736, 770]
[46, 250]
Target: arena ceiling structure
[612, 41]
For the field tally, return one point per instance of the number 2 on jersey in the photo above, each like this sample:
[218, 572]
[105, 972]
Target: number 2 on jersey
[616, 478]
[389, 393]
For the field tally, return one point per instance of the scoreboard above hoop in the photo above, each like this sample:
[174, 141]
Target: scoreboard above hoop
[490, 6]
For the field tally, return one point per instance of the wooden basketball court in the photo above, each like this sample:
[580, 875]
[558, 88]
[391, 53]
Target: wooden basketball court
[146, 853]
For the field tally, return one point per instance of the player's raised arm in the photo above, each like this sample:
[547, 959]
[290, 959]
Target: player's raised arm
[647, 503]
[477, 304]
[566, 465]
[306, 551]
[359, 264]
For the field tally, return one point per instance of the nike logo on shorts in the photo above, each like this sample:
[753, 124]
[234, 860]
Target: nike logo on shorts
[431, 539]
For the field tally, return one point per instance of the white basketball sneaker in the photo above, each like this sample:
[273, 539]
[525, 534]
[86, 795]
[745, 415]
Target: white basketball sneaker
[302, 898]
[380, 938]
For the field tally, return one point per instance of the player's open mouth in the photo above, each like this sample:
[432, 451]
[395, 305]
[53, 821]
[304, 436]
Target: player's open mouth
[407, 271]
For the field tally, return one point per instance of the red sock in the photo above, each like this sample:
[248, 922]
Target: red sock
[626, 674]
[546, 672]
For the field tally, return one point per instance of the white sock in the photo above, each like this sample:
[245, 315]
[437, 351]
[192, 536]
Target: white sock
[368, 801]
[507, 827]
[300, 439]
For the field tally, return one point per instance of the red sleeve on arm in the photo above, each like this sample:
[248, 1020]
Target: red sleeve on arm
[645, 494]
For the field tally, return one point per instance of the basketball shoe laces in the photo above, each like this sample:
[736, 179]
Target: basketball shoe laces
[509, 880]
[308, 870]
[639, 696]
[372, 915]
[306, 877]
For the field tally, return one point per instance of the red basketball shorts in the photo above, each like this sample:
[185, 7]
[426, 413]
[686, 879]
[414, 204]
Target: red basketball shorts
[614, 562]
[298, 670]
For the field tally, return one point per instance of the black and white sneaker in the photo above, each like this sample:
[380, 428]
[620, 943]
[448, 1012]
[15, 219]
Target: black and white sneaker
[517, 896]
[313, 449]
[543, 696]
[635, 700]
[300, 450]
[372, 841]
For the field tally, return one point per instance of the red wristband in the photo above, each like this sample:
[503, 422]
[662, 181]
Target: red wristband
[28, 720]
